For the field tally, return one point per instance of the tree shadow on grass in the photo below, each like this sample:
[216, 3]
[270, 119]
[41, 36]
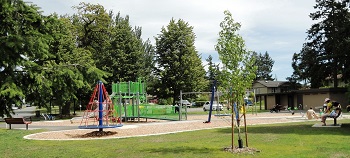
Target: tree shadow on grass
[179, 150]
[294, 128]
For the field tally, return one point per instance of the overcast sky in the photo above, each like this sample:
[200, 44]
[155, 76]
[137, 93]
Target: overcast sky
[276, 26]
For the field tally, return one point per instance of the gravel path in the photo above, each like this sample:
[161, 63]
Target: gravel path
[157, 127]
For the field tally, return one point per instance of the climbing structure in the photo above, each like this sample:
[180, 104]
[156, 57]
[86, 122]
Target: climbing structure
[100, 112]
[127, 98]
[130, 103]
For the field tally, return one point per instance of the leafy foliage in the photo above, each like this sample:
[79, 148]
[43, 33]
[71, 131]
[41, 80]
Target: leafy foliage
[116, 46]
[213, 72]
[264, 63]
[20, 40]
[179, 65]
[128, 52]
[239, 70]
[325, 54]
[41, 59]
[56, 60]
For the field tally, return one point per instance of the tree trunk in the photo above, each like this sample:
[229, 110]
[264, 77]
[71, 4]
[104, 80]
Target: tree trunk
[335, 78]
[66, 108]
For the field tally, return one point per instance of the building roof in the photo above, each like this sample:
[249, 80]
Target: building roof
[272, 84]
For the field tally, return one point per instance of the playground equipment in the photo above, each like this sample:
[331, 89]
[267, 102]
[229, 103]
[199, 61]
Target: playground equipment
[131, 104]
[211, 102]
[127, 97]
[100, 109]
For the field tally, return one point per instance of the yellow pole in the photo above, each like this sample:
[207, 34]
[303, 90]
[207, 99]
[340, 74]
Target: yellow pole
[245, 127]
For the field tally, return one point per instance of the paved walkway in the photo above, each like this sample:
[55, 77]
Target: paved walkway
[67, 130]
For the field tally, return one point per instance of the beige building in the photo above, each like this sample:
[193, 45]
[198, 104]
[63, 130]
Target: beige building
[283, 93]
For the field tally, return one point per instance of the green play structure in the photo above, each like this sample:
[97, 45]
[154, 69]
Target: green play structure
[130, 103]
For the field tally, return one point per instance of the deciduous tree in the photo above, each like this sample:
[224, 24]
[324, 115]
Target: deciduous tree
[239, 70]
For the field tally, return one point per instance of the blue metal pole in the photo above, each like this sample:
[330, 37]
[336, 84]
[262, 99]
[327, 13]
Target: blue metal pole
[211, 101]
[100, 106]
[235, 108]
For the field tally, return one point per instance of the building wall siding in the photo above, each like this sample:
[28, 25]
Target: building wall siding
[270, 101]
[307, 97]
[339, 97]
[314, 99]
[284, 100]
[260, 89]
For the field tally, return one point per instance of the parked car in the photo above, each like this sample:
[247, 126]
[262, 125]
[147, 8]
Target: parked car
[184, 103]
[215, 107]
[14, 107]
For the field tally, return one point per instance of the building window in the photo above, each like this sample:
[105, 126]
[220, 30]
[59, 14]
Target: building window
[273, 90]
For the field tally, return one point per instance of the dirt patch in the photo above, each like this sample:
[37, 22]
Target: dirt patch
[244, 150]
[94, 134]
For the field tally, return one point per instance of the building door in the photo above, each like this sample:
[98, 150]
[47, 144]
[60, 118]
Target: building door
[278, 99]
[300, 100]
[291, 101]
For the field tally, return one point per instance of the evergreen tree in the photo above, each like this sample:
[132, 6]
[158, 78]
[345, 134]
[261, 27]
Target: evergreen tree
[212, 73]
[20, 39]
[116, 46]
[178, 65]
[148, 73]
[264, 63]
[325, 54]
[128, 53]
[70, 69]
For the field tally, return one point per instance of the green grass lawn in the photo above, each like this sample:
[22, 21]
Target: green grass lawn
[278, 140]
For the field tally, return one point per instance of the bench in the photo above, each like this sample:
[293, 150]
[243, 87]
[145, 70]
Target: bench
[335, 117]
[10, 121]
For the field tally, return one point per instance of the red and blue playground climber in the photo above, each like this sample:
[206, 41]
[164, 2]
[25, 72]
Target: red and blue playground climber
[102, 110]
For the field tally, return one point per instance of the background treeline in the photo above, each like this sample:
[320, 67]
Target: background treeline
[55, 59]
